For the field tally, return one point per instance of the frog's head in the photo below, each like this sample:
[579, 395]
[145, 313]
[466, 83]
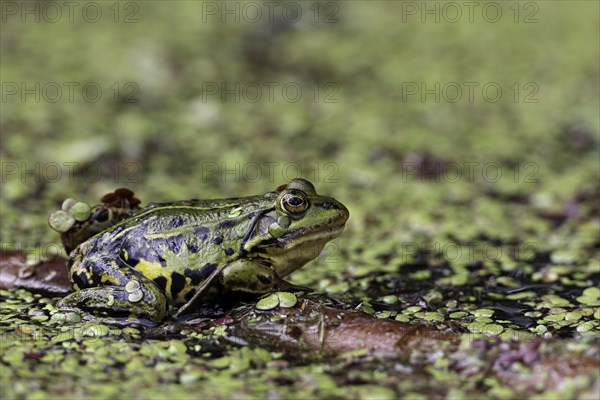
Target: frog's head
[297, 226]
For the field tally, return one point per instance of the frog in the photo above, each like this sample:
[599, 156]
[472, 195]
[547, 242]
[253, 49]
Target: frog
[171, 255]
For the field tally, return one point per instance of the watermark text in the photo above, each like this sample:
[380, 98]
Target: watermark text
[52, 172]
[270, 11]
[69, 92]
[519, 12]
[125, 12]
[469, 92]
[254, 92]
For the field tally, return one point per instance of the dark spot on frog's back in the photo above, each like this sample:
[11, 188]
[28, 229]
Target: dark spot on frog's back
[177, 284]
[192, 247]
[153, 250]
[229, 251]
[201, 232]
[226, 224]
[174, 243]
[217, 240]
[176, 222]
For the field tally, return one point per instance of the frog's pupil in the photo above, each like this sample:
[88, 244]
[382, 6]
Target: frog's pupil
[295, 201]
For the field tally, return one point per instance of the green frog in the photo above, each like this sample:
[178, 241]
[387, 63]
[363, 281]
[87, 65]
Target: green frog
[169, 254]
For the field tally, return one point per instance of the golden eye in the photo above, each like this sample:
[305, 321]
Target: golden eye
[294, 202]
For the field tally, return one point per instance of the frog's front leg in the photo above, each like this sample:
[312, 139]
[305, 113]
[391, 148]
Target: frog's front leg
[119, 290]
[255, 276]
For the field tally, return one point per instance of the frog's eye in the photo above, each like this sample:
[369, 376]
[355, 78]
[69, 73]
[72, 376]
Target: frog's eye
[294, 202]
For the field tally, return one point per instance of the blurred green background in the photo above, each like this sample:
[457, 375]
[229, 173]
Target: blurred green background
[166, 98]
[425, 118]
[436, 123]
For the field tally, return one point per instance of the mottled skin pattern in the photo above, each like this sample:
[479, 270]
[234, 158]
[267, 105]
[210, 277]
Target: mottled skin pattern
[161, 255]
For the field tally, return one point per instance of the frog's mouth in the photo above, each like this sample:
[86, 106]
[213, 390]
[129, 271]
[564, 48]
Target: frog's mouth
[301, 237]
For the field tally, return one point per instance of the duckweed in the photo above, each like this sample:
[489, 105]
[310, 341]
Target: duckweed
[501, 263]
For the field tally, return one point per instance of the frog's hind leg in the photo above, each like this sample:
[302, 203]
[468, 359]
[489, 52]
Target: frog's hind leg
[105, 285]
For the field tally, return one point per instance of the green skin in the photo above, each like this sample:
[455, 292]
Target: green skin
[166, 253]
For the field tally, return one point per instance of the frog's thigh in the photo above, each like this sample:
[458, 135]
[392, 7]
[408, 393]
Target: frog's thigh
[138, 295]
[251, 276]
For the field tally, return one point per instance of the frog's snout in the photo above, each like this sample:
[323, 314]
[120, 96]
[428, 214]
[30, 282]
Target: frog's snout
[343, 212]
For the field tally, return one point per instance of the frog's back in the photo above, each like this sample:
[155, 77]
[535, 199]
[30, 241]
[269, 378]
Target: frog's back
[178, 247]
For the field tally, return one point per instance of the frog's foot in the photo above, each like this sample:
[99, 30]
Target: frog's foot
[141, 300]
